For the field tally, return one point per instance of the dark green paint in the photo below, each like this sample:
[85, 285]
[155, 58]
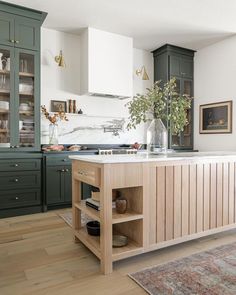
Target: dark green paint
[173, 61]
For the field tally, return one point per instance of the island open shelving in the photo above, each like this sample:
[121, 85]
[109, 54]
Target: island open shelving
[129, 224]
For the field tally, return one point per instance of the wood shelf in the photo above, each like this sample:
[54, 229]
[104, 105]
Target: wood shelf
[4, 111]
[91, 242]
[3, 130]
[4, 72]
[5, 92]
[26, 94]
[27, 113]
[131, 249]
[92, 213]
[28, 75]
[116, 217]
[129, 215]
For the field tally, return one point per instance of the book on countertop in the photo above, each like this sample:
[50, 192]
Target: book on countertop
[95, 204]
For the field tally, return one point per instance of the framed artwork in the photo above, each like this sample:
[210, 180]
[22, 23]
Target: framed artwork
[216, 118]
[58, 106]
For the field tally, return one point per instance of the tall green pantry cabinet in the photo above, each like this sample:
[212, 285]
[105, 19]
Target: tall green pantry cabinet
[176, 62]
[20, 158]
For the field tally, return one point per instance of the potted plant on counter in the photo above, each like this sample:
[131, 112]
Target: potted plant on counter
[160, 104]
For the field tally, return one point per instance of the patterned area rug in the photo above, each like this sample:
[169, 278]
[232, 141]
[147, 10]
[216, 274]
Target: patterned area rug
[67, 216]
[211, 272]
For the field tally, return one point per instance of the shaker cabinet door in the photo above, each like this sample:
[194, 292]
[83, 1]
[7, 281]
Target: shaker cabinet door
[55, 185]
[6, 29]
[68, 184]
[27, 33]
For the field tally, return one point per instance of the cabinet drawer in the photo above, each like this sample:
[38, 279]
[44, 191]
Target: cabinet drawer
[19, 198]
[13, 180]
[88, 174]
[20, 165]
[61, 160]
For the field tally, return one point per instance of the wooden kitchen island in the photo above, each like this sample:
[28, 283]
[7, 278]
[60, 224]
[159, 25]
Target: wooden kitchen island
[171, 199]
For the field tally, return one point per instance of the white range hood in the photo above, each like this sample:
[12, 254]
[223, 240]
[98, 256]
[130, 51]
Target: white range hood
[106, 64]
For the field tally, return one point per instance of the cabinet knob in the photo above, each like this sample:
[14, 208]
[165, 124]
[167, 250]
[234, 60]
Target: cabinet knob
[17, 41]
[12, 40]
[62, 170]
[64, 160]
[17, 198]
[16, 180]
[67, 170]
[12, 146]
[16, 146]
[16, 165]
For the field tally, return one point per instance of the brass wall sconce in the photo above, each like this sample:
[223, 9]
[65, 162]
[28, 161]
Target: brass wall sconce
[143, 73]
[59, 59]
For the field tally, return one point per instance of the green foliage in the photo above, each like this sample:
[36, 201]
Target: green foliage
[155, 104]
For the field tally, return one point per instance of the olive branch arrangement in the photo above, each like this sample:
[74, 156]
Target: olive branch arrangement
[160, 102]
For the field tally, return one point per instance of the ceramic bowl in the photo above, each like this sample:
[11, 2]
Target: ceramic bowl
[93, 228]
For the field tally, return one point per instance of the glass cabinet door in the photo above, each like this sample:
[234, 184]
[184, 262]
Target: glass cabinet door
[187, 134]
[6, 97]
[184, 140]
[26, 95]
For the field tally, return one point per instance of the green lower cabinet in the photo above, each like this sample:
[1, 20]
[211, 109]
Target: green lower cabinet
[20, 184]
[58, 185]
[16, 199]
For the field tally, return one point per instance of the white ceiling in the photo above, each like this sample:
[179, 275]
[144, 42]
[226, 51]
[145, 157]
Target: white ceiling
[152, 23]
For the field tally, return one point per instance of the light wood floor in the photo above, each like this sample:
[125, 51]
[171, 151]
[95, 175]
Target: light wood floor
[38, 256]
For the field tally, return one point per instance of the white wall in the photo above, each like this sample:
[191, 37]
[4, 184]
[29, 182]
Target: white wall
[63, 84]
[215, 80]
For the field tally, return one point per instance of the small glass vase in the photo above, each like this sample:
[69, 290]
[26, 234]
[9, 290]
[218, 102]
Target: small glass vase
[157, 137]
[53, 133]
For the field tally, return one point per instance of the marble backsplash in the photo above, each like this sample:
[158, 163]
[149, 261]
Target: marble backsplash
[86, 129]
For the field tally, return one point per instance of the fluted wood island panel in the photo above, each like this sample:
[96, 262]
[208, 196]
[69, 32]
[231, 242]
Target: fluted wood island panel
[170, 200]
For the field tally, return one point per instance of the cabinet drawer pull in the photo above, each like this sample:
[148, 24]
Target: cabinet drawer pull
[17, 198]
[62, 170]
[16, 180]
[16, 165]
[83, 173]
[67, 170]
[17, 41]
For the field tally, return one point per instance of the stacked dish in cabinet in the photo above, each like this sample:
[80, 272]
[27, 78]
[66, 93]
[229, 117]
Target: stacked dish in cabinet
[4, 97]
[26, 100]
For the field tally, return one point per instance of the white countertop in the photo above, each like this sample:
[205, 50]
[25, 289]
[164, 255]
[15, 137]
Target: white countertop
[145, 157]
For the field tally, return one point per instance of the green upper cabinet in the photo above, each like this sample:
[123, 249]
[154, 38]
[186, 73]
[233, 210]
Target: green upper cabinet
[27, 33]
[19, 31]
[6, 29]
[181, 66]
[19, 77]
[176, 62]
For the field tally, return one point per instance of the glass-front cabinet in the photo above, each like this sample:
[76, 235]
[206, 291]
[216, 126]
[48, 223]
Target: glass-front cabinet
[19, 99]
[184, 139]
[6, 97]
